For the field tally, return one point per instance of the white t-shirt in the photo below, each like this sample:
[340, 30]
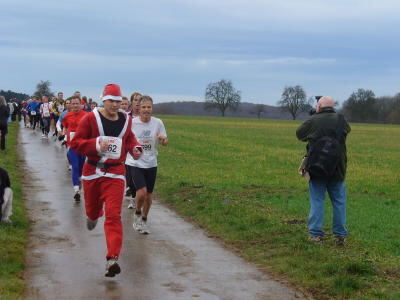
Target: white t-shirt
[147, 135]
[45, 109]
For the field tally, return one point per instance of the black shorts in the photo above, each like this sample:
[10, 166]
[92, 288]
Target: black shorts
[143, 178]
[128, 176]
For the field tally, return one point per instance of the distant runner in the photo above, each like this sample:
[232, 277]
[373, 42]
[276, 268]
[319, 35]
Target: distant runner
[33, 109]
[57, 109]
[45, 114]
[130, 190]
[70, 123]
[135, 97]
[125, 104]
[25, 112]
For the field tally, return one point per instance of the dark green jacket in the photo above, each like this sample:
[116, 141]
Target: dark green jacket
[322, 124]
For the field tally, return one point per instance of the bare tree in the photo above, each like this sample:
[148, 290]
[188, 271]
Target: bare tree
[43, 89]
[258, 110]
[222, 96]
[361, 106]
[293, 100]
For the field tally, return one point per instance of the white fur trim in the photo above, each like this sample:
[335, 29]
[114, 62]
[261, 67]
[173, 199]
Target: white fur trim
[98, 145]
[102, 174]
[98, 121]
[111, 97]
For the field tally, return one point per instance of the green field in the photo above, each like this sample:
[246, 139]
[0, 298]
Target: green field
[237, 178]
[13, 237]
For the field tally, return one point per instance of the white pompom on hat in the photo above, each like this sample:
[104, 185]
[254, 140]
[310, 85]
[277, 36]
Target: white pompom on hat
[112, 91]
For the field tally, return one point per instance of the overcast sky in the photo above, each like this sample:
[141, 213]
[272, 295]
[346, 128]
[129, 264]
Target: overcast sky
[171, 50]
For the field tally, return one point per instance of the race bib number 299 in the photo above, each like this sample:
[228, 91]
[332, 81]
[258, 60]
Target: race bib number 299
[146, 147]
[114, 147]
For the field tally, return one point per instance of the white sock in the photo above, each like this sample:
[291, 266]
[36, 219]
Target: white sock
[76, 188]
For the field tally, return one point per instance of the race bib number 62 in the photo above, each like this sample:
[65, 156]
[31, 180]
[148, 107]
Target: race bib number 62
[114, 147]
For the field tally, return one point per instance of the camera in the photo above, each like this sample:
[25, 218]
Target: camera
[312, 110]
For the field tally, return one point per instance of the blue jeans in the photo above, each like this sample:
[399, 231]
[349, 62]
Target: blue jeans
[337, 194]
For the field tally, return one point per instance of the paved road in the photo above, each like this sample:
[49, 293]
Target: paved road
[176, 261]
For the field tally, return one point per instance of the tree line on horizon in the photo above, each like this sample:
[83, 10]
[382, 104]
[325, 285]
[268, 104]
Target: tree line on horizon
[362, 105]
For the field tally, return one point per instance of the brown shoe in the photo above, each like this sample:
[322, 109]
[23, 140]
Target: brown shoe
[340, 240]
[316, 239]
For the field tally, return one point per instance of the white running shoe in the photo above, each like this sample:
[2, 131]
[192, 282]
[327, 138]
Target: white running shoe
[69, 167]
[144, 228]
[112, 268]
[132, 204]
[43, 136]
[137, 222]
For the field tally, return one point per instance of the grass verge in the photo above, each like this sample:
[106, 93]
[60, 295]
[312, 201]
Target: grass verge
[237, 179]
[13, 237]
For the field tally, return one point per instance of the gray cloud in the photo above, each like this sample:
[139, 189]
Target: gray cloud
[175, 48]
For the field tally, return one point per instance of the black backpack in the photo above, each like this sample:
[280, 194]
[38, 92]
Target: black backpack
[325, 153]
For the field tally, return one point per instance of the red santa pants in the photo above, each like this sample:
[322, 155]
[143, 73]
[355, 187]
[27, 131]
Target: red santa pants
[110, 193]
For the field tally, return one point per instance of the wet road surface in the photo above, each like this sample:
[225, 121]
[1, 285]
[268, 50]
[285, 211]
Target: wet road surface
[176, 261]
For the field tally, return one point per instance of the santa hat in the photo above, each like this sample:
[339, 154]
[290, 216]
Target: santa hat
[112, 92]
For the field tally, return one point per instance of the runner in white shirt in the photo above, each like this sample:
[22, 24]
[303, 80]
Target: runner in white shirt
[45, 113]
[149, 131]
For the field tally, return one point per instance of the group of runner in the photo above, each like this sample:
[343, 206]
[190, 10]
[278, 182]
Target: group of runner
[43, 113]
[112, 149]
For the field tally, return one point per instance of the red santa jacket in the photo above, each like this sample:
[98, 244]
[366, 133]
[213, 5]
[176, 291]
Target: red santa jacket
[86, 142]
[70, 122]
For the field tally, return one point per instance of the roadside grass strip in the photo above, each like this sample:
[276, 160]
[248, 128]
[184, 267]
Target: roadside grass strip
[237, 178]
[13, 237]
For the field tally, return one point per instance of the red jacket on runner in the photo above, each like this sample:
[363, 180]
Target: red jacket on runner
[70, 122]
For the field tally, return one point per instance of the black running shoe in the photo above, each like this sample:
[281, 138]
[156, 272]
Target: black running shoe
[77, 197]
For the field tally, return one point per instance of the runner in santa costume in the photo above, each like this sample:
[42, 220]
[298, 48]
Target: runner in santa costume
[105, 137]
[70, 123]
